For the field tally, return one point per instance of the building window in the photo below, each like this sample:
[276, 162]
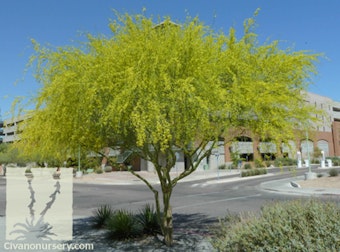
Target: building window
[323, 146]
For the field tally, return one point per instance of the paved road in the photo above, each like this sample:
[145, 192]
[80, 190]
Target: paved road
[211, 198]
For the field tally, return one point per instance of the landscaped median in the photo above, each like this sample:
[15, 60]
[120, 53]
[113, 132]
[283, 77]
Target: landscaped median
[297, 225]
[310, 225]
[253, 172]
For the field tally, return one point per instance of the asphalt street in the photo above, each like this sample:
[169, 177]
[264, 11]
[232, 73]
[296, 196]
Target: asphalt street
[211, 193]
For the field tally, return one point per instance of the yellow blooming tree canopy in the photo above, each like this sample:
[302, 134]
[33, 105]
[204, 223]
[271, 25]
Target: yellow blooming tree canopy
[164, 84]
[148, 84]
[159, 87]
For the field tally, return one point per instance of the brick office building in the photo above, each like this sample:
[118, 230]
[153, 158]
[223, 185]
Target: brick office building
[325, 137]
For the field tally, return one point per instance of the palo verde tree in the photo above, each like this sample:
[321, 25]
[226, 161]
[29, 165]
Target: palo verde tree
[156, 89]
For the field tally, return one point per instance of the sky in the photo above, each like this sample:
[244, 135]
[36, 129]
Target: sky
[299, 24]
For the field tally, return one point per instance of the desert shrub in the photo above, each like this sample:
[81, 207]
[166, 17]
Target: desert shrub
[333, 172]
[99, 171]
[247, 166]
[259, 163]
[232, 166]
[102, 215]
[284, 162]
[315, 161]
[245, 173]
[297, 225]
[108, 168]
[335, 160]
[319, 175]
[253, 172]
[149, 220]
[268, 163]
[124, 225]
[223, 167]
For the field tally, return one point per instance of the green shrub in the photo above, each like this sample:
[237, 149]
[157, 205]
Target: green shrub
[333, 172]
[253, 172]
[99, 171]
[123, 225]
[149, 220]
[284, 162]
[335, 160]
[268, 163]
[315, 161]
[320, 175]
[222, 167]
[259, 163]
[247, 166]
[311, 225]
[232, 166]
[108, 169]
[244, 173]
[102, 215]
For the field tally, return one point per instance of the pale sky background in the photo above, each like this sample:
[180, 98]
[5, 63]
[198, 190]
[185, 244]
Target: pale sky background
[302, 24]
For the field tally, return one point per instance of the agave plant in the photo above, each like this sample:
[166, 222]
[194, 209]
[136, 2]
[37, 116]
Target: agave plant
[149, 220]
[123, 225]
[102, 215]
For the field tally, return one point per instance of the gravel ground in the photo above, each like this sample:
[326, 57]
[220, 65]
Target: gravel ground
[191, 233]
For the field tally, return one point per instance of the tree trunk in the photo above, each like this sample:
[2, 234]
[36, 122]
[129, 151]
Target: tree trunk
[167, 218]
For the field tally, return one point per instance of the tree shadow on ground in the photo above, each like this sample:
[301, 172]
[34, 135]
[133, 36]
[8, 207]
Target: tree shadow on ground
[191, 233]
[197, 223]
